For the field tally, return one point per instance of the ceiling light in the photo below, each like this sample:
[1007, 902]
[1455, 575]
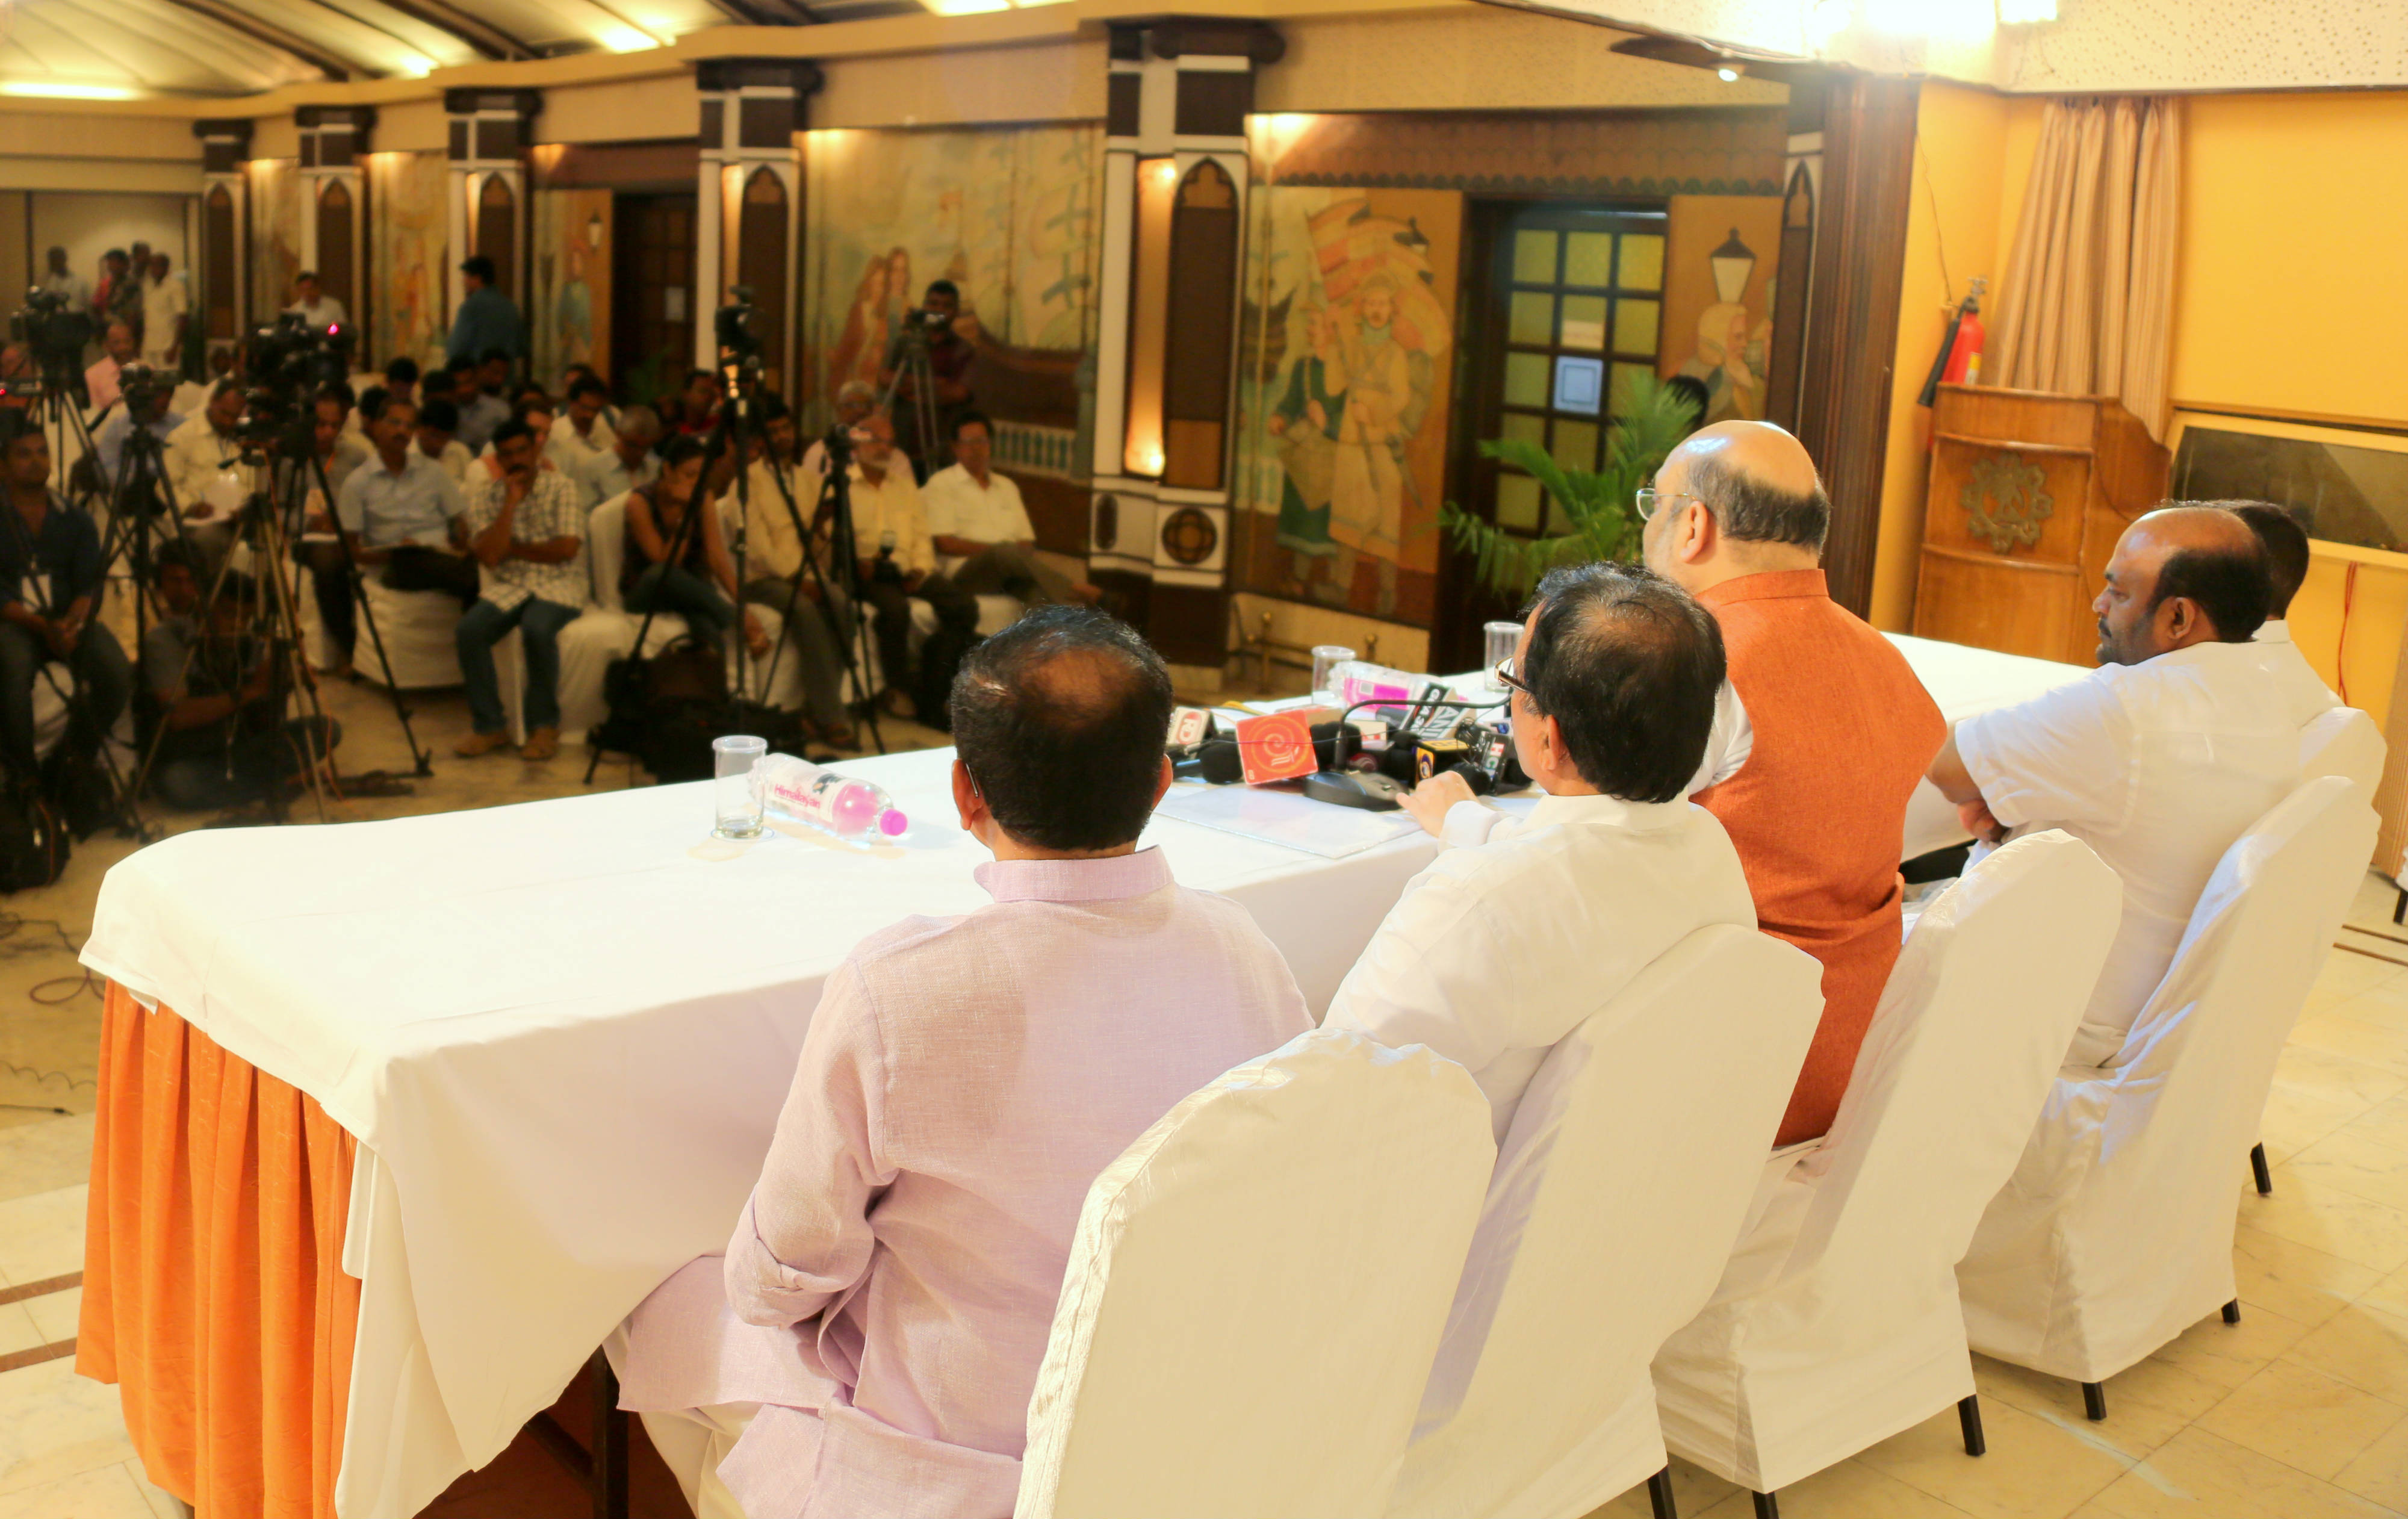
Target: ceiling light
[624, 40]
[1726, 73]
[967, 8]
[59, 90]
[2024, 12]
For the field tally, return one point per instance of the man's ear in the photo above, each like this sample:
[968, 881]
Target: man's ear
[1696, 539]
[967, 804]
[1162, 782]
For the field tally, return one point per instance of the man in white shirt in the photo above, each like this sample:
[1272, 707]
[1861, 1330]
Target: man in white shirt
[436, 422]
[1525, 927]
[2287, 565]
[581, 431]
[982, 527]
[312, 305]
[627, 462]
[898, 561]
[64, 283]
[2159, 759]
[166, 301]
[203, 466]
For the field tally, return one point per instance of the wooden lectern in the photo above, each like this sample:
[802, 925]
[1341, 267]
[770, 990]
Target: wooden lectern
[2028, 492]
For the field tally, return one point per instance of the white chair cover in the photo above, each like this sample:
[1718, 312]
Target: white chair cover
[1836, 1325]
[2114, 1233]
[2343, 742]
[1622, 1183]
[1257, 1289]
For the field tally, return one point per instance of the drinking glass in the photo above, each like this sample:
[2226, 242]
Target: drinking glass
[1501, 637]
[734, 803]
[1327, 657]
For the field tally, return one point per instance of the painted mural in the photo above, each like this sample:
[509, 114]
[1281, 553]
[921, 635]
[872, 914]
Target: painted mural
[1011, 216]
[274, 235]
[406, 195]
[1718, 283]
[571, 299]
[1342, 395]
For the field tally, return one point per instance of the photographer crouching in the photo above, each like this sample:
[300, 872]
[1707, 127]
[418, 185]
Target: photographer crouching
[51, 571]
[211, 687]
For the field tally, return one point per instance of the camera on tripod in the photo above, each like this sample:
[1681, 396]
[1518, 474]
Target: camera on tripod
[53, 331]
[290, 360]
[732, 327]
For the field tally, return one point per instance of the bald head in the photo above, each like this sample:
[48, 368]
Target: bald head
[1736, 498]
[2182, 575]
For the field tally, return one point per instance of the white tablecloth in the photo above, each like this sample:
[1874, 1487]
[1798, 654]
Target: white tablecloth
[562, 1032]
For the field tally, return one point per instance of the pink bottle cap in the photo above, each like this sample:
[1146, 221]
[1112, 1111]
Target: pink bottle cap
[892, 823]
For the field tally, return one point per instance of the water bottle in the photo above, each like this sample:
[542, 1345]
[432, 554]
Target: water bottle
[846, 806]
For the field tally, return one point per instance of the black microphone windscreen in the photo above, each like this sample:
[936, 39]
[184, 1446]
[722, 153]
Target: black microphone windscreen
[1217, 758]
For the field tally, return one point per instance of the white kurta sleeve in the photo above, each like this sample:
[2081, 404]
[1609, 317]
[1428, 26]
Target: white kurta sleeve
[1431, 975]
[804, 1237]
[2064, 756]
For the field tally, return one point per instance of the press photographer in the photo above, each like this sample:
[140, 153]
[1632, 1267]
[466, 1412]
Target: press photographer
[204, 467]
[146, 398]
[211, 687]
[930, 343]
[51, 572]
[54, 336]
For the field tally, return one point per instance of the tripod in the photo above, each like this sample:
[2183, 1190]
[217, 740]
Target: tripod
[835, 506]
[911, 364]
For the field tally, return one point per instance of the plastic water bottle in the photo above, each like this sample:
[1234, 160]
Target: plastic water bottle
[846, 806]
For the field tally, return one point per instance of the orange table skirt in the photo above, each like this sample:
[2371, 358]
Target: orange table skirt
[213, 1288]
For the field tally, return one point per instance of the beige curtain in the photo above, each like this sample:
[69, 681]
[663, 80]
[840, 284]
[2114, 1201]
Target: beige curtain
[2087, 308]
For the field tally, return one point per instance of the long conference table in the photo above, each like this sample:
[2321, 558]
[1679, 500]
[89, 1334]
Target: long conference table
[398, 1120]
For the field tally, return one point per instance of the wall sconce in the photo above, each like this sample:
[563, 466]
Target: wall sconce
[1733, 262]
[593, 233]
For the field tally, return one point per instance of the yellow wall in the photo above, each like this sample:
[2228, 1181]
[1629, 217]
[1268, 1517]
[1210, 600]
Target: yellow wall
[2291, 287]
[1972, 154]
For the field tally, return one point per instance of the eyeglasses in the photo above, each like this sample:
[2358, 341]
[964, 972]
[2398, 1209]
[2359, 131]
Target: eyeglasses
[1505, 677]
[1651, 500]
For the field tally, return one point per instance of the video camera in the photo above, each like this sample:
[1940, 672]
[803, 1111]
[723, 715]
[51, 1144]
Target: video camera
[732, 327]
[928, 322]
[140, 384]
[53, 331]
[288, 360]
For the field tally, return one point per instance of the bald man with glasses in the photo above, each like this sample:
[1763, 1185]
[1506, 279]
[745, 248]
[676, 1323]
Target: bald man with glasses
[1823, 732]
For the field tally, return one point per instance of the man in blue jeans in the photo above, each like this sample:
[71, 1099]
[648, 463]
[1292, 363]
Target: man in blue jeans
[527, 530]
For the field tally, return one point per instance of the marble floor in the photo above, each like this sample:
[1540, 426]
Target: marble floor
[2298, 1411]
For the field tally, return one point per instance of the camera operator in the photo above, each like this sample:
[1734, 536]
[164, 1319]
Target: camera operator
[116, 353]
[898, 561]
[146, 406]
[51, 571]
[775, 576]
[312, 305]
[74, 293]
[203, 463]
[936, 324]
[208, 682]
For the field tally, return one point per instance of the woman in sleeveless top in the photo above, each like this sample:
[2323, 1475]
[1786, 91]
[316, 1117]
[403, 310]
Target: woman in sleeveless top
[701, 585]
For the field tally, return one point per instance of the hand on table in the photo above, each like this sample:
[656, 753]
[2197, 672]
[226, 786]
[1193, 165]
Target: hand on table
[1429, 802]
[1975, 817]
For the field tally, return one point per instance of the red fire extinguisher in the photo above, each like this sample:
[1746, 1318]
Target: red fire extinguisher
[1960, 350]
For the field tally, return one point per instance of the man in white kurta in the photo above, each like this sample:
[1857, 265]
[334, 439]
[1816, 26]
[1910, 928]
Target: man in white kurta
[1526, 927]
[869, 1342]
[2286, 567]
[2158, 759]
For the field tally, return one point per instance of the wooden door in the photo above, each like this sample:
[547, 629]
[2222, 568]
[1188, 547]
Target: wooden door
[652, 293]
[1567, 304]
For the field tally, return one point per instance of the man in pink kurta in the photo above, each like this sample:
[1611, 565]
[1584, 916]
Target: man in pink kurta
[868, 1343]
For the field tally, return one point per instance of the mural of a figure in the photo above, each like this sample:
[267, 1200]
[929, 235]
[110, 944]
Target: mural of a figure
[1374, 371]
[870, 322]
[1734, 385]
[574, 309]
[1305, 422]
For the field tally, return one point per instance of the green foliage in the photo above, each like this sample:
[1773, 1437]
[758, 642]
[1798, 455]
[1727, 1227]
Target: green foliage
[1652, 419]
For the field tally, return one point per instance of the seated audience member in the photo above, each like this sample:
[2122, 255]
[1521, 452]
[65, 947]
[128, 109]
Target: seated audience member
[527, 529]
[116, 353]
[478, 392]
[191, 395]
[1824, 734]
[2286, 543]
[205, 466]
[673, 567]
[154, 415]
[339, 450]
[400, 381]
[897, 557]
[780, 500]
[855, 400]
[2158, 759]
[533, 410]
[311, 303]
[52, 574]
[976, 516]
[400, 512]
[213, 689]
[891, 1282]
[441, 384]
[438, 421]
[695, 407]
[581, 430]
[1510, 940]
[627, 462]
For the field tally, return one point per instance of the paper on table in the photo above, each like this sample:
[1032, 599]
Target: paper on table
[1288, 818]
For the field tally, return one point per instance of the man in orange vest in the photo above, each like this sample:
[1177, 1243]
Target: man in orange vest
[1824, 731]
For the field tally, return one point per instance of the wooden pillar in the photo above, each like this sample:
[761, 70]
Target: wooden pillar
[1859, 173]
[1176, 176]
[488, 213]
[749, 203]
[334, 208]
[220, 265]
